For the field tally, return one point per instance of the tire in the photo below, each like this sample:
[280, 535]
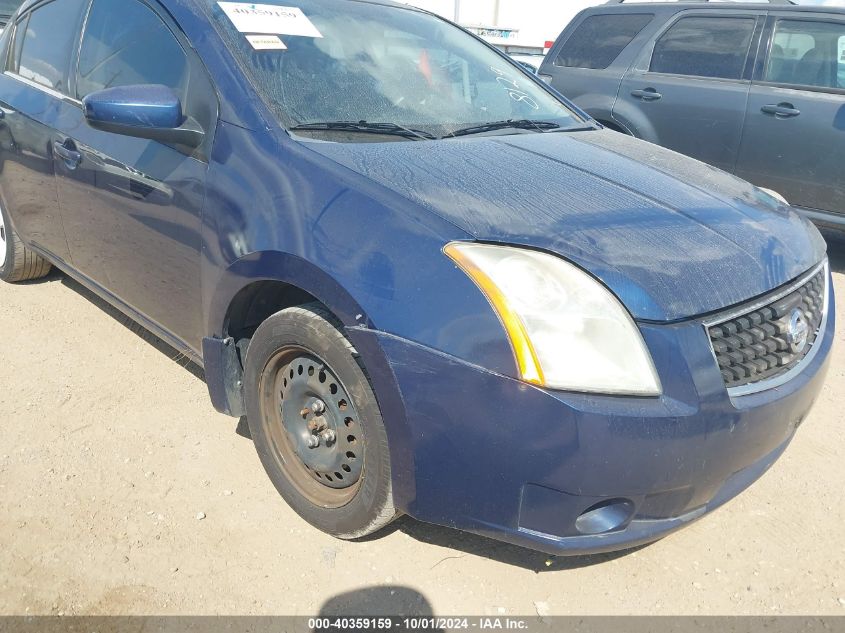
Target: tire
[303, 379]
[17, 262]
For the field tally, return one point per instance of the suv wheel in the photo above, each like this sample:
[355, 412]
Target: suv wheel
[17, 262]
[316, 424]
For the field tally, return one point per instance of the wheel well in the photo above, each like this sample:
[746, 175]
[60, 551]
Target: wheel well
[224, 356]
[613, 126]
[257, 301]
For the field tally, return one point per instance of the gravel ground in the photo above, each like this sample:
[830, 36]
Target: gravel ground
[123, 492]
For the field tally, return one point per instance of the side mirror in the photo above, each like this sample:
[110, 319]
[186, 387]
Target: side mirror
[146, 111]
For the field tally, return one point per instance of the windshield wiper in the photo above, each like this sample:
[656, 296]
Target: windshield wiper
[520, 124]
[365, 127]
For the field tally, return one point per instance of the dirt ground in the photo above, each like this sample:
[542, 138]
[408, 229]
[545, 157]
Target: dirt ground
[123, 492]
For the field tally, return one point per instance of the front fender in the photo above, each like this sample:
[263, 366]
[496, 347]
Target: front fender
[278, 210]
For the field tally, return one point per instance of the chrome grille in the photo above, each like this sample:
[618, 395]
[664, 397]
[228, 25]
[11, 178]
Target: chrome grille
[770, 339]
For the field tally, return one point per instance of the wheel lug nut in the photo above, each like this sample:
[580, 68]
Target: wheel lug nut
[317, 407]
[328, 436]
[313, 441]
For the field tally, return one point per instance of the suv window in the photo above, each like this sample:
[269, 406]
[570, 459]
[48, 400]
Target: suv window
[128, 47]
[599, 39]
[806, 53]
[704, 47]
[48, 39]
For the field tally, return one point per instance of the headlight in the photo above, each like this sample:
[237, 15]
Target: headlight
[566, 329]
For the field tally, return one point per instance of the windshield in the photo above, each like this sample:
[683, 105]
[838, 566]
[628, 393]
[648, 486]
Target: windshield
[363, 63]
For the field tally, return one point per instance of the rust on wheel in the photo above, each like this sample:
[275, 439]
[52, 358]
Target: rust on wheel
[313, 427]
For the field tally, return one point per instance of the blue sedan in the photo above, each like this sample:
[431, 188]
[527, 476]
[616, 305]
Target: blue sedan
[432, 285]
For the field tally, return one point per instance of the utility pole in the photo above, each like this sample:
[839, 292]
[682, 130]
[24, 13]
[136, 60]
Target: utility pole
[457, 11]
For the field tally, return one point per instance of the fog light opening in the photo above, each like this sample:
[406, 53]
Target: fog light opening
[606, 516]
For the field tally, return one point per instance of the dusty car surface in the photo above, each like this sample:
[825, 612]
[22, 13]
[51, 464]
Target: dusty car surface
[433, 286]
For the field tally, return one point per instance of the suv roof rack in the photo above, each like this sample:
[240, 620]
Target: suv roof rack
[720, 1]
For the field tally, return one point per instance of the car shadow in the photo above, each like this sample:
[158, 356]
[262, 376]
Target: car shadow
[382, 600]
[138, 330]
[467, 544]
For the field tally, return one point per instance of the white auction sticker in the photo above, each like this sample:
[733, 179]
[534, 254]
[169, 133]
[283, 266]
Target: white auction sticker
[269, 19]
[266, 42]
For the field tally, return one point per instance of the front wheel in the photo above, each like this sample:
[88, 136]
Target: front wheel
[316, 424]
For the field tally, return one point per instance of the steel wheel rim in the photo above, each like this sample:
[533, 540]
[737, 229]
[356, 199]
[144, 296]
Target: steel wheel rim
[329, 474]
[3, 239]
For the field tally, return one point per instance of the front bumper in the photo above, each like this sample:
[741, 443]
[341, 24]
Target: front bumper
[492, 455]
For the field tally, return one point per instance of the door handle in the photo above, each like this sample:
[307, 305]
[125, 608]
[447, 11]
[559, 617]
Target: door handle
[647, 94]
[781, 110]
[71, 157]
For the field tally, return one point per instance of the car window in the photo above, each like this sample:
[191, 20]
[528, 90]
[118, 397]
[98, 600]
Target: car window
[127, 47]
[388, 64]
[807, 53]
[841, 65]
[599, 39]
[20, 31]
[48, 39]
[704, 47]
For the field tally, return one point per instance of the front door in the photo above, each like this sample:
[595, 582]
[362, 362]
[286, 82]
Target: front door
[132, 207]
[688, 91]
[33, 88]
[794, 140]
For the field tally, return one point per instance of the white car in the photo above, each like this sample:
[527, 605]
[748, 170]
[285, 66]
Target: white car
[528, 61]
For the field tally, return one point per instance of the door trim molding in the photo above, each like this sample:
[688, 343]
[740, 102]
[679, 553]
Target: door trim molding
[44, 89]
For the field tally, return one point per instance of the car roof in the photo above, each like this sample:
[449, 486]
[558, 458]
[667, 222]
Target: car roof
[673, 7]
[26, 4]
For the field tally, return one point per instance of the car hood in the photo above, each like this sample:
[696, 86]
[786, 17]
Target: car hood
[670, 236]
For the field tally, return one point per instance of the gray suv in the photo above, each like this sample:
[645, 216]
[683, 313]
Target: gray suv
[755, 89]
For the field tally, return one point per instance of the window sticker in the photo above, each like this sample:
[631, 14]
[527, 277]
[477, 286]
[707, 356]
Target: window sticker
[266, 42]
[269, 19]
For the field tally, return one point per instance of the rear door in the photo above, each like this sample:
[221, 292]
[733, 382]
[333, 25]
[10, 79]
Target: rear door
[794, 139]
[32, 90]
[590, 58]
[132, 206]
[689, 88]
